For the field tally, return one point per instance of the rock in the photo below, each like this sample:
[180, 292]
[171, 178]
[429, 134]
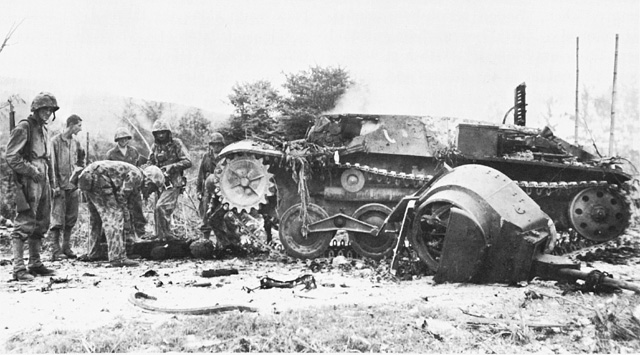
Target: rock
[339, 260]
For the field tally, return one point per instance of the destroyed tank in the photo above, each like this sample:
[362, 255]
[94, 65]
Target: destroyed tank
[352, 169]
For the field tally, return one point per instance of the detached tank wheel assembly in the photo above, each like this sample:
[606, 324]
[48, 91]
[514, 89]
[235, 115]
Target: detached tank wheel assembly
[295, 242]
[599, 214]
[371, 246]
[428, 232]
[245, 182]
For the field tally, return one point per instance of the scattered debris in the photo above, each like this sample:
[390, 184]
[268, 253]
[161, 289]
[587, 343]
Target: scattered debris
[138, 300]
[150, 273]
[53, 281]
[307, 280]
[219, 272]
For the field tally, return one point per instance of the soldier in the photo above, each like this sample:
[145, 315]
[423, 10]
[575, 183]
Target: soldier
[108, 186]
[66, 197]
[27, 155]
[170, 155]
[123, 151]
[208, 164]
[126, 153]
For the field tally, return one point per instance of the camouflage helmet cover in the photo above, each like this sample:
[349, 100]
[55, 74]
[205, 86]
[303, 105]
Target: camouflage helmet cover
[154, 174]
[216, 138]
[122, 132]
[44, 99]
[159, 126]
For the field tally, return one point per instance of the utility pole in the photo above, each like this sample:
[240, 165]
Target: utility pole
[577, 76]
[613, 102]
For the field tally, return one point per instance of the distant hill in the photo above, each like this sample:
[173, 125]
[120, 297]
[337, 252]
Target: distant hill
[100, 112]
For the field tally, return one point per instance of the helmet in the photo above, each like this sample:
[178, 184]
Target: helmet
[216, 138]
[210, 183]
[122, 132]
[154, 174]
[159, 126]
[44, 99]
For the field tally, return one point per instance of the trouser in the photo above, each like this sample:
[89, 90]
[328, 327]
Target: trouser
[34, 254]
[64, 211]
[33, 223]
[107, 216]
[136, 222]
[164, 208]
[205, 228]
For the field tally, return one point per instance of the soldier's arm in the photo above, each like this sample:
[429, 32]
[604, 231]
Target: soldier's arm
[53, 164]
[183, 157]
[152, 156]
[17, 141]
[201, 172]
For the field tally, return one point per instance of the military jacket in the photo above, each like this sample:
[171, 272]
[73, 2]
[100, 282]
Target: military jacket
[107, 177]
[63, 159]
[207, 166]
[174, 154]
[132, 156]
[20, 154]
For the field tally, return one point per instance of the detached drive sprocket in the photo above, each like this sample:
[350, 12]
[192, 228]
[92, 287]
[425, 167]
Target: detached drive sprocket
[244, 182]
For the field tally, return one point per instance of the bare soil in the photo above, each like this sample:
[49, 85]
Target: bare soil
[96, 294]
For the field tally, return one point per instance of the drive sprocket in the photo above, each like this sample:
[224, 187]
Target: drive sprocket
[244, 182]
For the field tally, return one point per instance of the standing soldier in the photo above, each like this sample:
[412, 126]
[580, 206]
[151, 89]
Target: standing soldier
[208, 164]
[126, 153]
[28, 157]
[170, 155]
[66, 197]
[108, 186]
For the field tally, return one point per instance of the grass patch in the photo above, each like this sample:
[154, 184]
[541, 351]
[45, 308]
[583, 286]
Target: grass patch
[416, 327]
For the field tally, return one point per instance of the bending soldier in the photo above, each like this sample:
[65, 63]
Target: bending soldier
[66, 198]
[126, 153]
[207, 166]
[170, 155]
[108, 186]
[28, 157]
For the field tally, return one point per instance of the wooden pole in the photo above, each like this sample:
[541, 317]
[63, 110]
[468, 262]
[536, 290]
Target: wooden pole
[613, 102]
[577, 76]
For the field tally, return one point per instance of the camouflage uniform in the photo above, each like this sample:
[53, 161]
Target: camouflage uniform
[209, 161]
[27, 156]
[136, 214]
[64, 210]
[172, 157]
[108, 185]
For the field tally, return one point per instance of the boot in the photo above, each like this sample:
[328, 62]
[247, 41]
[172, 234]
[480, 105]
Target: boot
[35, 264]
[66, 244]
[56, 251]
[19, 271]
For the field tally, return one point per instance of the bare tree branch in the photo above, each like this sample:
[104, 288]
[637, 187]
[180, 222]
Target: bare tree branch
[13, 28]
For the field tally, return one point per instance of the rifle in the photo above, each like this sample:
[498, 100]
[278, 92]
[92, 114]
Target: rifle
[20, 196]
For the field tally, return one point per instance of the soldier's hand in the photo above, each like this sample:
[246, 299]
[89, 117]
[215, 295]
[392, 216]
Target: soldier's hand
[56, 192]
[167, 168]
[37, 177]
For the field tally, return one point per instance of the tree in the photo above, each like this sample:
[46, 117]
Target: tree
[194, 129]
[256, 107]
[311, 93]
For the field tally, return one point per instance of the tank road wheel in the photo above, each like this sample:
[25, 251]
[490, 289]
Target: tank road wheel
[294, 242]
[428, 232]
[245, 182]
[599, 214]
[371, 246]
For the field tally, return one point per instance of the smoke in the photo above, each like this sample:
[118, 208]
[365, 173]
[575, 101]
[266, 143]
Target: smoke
[355, 100]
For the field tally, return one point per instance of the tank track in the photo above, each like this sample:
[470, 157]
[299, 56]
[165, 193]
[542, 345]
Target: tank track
[569, 241]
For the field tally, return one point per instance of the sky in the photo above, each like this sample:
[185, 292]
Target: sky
[441, 58]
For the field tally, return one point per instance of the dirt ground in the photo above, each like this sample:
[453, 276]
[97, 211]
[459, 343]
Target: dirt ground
[97, 295]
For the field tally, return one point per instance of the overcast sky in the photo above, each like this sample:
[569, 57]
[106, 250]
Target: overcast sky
[442, 58]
